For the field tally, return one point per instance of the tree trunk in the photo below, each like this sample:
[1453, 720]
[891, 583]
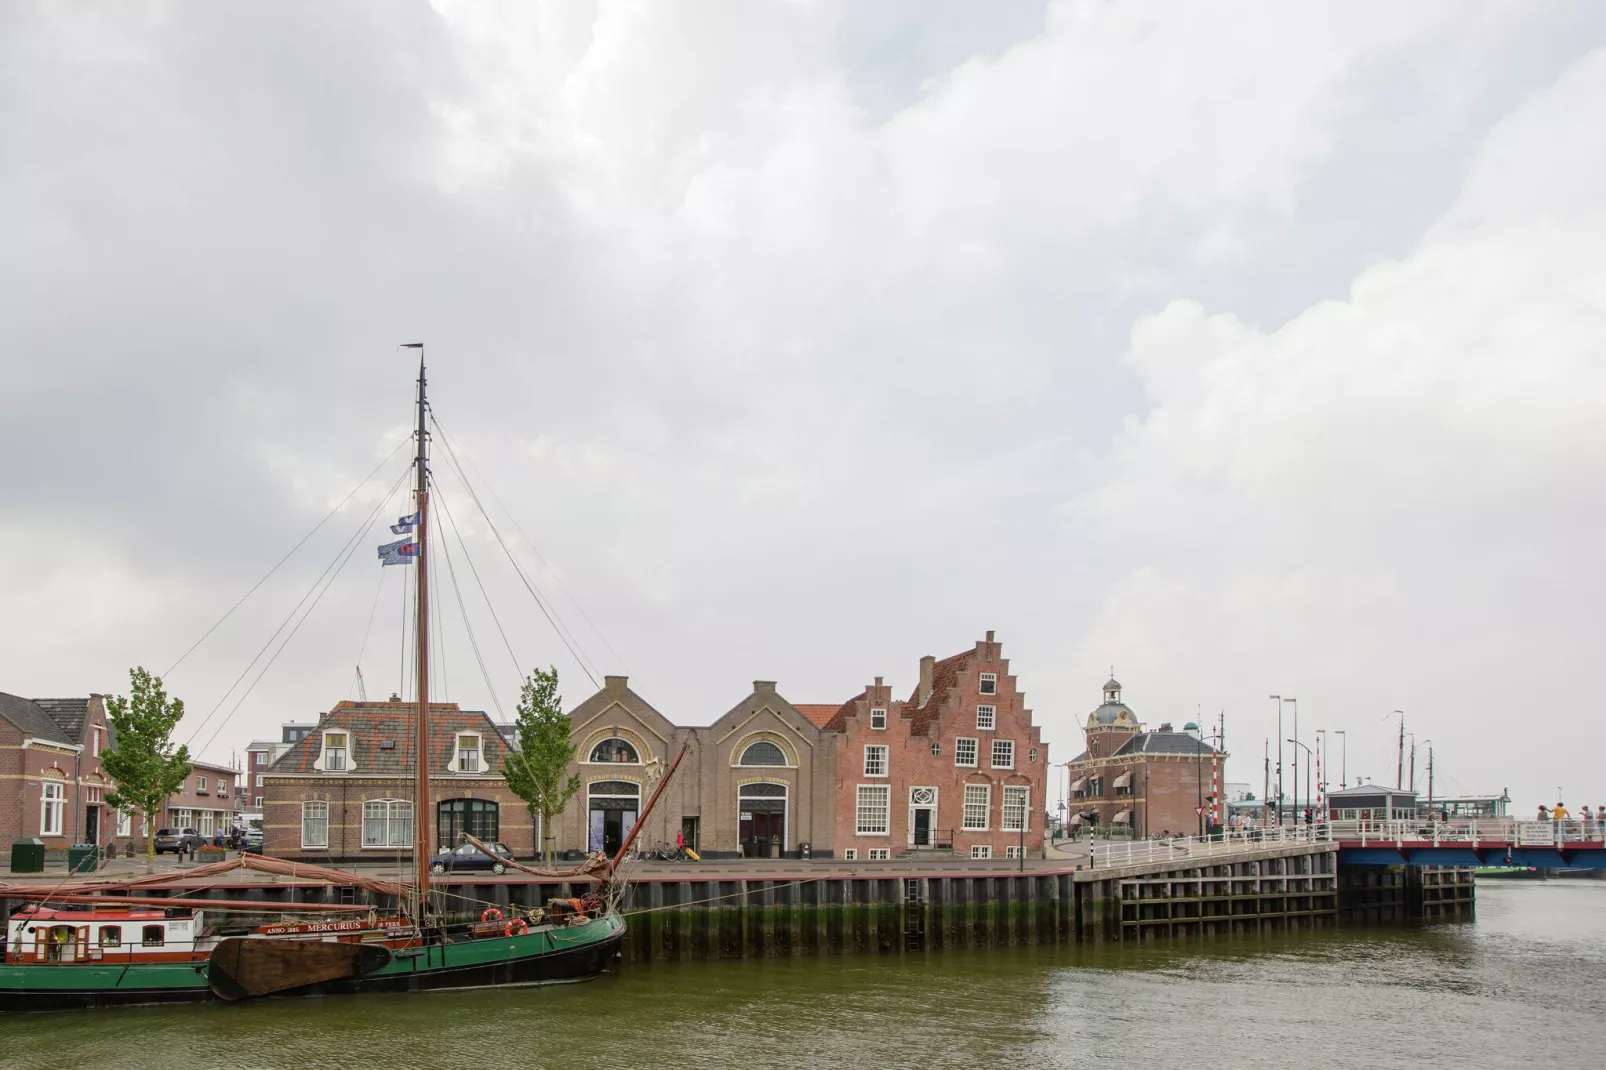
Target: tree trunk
[150, 839]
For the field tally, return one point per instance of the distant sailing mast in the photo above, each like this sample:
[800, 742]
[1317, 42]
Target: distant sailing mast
[421, 823]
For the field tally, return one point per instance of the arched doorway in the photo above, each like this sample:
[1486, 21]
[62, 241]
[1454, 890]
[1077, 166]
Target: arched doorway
[612, 806]
[480, 818]
[761, 819]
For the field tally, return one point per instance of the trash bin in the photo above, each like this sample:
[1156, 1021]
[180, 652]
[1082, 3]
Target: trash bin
[28, 856]
[775, 847]
[83, 858]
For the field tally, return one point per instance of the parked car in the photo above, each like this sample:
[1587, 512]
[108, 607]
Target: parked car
[178, 840]
[468, 858]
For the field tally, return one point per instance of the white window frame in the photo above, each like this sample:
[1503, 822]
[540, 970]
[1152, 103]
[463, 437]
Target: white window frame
[95, 744]
[873, 767]
[52, 807]
[936, 748]
[1024, 794]
[959, 751]
[125, 823]
[204, 822]
[259, 780]
[1007, 748]
[1012, 851]
[346, 764]
[258, 803]
[986, 791]
[478, 753]
[865, 798]
[981, 850]
[850, 854]
[314, 811]
[394, 819]
[986, 718]
[880, 854]
[987, 684]
[200, 785]
[878, 719]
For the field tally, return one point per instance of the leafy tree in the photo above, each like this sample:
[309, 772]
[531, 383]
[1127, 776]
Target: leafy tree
[144, 765]
[535, 771]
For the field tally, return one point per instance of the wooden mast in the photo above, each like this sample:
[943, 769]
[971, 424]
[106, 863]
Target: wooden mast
[421, 750]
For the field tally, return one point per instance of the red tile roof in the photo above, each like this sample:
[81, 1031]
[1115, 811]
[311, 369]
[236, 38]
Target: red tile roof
[374, 724]
[944, 675]
[838, 721]
[816, 713]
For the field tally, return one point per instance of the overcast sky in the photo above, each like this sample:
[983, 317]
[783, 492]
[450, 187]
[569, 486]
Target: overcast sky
[1247, 348]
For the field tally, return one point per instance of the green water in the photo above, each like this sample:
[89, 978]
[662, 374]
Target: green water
[1523, 986]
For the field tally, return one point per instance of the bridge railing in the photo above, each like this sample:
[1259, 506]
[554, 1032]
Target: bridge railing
[1469, 832]
[1139, 852]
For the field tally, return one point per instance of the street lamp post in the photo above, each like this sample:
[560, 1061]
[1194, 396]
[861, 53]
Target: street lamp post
[1279, 700]
[1324, 761]
[1025, 814]
[1295, 704]
[1306, 749]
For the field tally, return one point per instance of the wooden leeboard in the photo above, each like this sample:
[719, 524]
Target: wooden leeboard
[246, 967]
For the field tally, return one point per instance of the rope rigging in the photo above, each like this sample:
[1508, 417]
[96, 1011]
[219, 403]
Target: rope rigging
[463, 610]
[563, 634]
[325, 579]
[534, 549]
[269, 574]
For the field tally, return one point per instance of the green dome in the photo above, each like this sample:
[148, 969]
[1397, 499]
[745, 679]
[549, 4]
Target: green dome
[1191, 726]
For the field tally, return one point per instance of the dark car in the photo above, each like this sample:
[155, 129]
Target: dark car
[177, 840]
[468, 858]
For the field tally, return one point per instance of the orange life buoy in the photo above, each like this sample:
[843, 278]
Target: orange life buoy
[516, 927]
[489, 911]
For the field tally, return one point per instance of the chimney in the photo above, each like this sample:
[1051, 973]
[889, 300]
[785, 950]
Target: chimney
[989, 635]
[764, 687]
[615, 683]
[928, 668]
[878, 681]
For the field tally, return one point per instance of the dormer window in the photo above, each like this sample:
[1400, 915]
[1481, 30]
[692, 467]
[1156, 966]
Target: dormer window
[989, 683]
[334, 752]
[878, 719]
[468, 753]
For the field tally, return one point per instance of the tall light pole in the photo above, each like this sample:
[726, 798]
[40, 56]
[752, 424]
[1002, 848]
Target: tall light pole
[1343, 757]
[1321, 770]
[1279, 700]
[1295, 703]
[1306, 749]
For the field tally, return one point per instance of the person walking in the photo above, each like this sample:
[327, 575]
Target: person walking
[1544, 812]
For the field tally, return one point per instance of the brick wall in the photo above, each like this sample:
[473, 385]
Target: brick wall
[345, 797]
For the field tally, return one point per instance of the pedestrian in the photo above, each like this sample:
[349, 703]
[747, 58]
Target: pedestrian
[1559, 813]
[1544, 812]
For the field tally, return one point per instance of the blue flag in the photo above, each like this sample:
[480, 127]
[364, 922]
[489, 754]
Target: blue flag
[404, 552]
[404, 525]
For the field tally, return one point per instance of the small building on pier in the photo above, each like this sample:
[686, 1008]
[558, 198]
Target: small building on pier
[1371, 802]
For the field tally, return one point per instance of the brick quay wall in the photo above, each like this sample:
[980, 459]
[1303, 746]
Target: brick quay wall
[688, 912]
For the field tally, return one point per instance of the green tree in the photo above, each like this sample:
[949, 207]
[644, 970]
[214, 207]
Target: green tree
[144, 765]
[535, 771]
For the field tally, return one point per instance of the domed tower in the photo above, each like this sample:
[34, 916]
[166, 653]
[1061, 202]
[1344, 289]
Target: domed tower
[1112, 724]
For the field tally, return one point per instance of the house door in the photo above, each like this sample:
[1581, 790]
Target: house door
[91, 824]
[922, 817]
[761, 824]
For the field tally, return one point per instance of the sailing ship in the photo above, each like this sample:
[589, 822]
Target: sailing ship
[100, 943]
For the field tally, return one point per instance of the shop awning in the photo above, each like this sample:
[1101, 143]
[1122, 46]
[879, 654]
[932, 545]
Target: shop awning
[1124, 780]
[1124, 817]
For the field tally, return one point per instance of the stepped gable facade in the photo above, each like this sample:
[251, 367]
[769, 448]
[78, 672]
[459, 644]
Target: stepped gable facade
[345, 791]
[957, 765]
[1140, 782]
[757, 782]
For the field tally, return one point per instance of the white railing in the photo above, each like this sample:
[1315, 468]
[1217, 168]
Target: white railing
[1469, 832]
[1139, 852]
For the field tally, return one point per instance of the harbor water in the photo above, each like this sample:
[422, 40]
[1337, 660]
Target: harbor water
[1524, 985]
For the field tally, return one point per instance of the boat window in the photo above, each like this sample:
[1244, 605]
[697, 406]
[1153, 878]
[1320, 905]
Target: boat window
[153, 936]
[111, 936]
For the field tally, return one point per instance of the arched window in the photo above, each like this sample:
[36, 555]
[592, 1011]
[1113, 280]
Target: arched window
[763, 753]
[615, 750]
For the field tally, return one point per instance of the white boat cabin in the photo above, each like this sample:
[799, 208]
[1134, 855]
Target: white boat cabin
[46, 934]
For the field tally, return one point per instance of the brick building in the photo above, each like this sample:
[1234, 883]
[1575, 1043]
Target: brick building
[958, 764]
[757, 781]
[345, 791]
[1139, 781]
[51, 783]
[262, 753]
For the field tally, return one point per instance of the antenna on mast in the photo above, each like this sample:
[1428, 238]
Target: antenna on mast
[362, 691]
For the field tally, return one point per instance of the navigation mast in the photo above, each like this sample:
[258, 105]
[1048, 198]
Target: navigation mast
[421, 750]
